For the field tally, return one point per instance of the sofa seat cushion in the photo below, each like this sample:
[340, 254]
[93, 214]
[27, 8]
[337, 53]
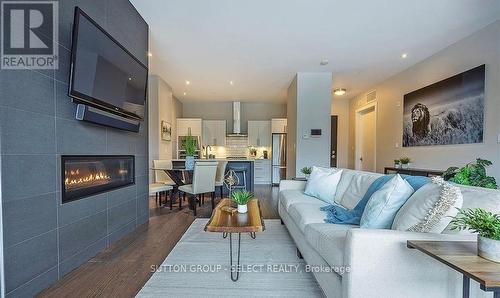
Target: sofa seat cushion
[307, 213]
[329, 241]
[290, 197]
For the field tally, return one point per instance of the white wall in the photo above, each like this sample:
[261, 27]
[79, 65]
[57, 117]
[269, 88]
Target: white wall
[340, 108]
[162, 106]
[483, 47]
[291, 129]
[313, 111]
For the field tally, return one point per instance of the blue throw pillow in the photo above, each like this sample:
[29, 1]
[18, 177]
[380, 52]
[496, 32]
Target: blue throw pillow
[385, 203]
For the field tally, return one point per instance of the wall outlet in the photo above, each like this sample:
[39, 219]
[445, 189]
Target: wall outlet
[396, 145]
[498, 139]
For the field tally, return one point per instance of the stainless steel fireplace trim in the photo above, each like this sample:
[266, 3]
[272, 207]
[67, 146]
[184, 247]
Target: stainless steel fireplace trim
[63, 157]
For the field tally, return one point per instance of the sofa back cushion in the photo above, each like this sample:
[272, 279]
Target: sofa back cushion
[383, 205]
[322, 184]
[477, 197]
[353, 186]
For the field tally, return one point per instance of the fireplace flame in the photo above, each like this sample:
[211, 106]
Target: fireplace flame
[96, 177]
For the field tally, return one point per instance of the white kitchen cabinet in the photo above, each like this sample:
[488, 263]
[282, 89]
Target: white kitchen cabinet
[278, 125]
[259, 133]
[262, 171]
[186, 126]
[214, 133]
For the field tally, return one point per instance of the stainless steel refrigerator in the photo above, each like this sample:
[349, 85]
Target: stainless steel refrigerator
[279, 157]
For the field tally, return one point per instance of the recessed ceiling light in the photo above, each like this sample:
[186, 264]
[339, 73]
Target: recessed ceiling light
[188, 82]
[231, 82]
[184, 93]
[323, 62]
[130, 79]
[339, 91]
[150, 54]
[404, 55]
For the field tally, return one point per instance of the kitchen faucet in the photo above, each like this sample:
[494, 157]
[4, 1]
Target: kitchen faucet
[206, 150]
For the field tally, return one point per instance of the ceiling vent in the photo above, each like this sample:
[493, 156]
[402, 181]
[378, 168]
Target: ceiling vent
[371, 96]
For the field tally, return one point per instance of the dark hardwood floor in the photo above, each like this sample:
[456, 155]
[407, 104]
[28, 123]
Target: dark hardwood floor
[122, 269]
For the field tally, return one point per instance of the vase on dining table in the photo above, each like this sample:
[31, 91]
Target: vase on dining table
[189, 164]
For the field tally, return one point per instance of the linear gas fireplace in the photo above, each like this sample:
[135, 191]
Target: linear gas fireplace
[86, 175]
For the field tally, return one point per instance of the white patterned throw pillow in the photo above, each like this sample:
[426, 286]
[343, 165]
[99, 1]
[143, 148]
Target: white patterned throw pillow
[430, 209]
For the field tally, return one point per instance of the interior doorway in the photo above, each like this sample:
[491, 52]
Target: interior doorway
[333, 143]
[366, 138]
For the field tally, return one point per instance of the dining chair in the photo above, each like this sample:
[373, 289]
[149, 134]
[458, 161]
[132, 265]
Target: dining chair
[161, 177]
[219, 177]
[157, 189]
[203, 182]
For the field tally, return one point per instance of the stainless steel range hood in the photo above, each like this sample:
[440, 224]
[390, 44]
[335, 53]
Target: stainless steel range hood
[237, 121]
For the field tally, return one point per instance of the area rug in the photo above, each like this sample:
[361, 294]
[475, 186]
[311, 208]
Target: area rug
[198, 266]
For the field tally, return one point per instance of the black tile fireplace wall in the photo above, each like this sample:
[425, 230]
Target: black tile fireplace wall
[43, 239]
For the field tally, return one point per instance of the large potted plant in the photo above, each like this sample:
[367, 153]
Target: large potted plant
[190, 147]
[473, 174]
[241, 198]
[486, 225]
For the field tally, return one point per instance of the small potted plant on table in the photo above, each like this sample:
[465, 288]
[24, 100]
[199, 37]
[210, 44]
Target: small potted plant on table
[190, 147]
[306, 171]
[486, 225]
[397, 164]
[241, 198]
[405, 162]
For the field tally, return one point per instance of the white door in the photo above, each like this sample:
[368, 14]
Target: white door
[366, 122]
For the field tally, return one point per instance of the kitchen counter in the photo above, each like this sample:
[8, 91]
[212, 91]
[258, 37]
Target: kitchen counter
[233, 164]
[219, 159]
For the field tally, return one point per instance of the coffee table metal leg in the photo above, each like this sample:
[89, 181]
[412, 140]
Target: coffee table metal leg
[233, 278]
[252, 234]
[466, 286]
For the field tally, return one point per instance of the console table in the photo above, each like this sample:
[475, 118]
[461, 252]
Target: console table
[413, 172]
[462, 257]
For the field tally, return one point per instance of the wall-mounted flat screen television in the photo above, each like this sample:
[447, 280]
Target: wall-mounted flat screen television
[103, 73]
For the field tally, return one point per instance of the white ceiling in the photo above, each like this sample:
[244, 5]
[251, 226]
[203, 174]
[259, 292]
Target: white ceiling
[261, 44]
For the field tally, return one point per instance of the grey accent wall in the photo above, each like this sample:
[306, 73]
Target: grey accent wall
[43, 239]
[2, 275]
[224, 111]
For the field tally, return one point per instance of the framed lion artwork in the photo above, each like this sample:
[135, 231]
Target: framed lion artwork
[448, 112]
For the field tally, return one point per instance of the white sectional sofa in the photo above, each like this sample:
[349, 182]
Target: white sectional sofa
[378, 262]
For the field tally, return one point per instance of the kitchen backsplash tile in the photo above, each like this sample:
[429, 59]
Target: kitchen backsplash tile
[237, 146]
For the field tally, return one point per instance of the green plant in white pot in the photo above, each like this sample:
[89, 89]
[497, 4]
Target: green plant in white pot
[397, 164]
[405, 162]
[306, 171]
[190, 146]
[241, 198]
[486, 225]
